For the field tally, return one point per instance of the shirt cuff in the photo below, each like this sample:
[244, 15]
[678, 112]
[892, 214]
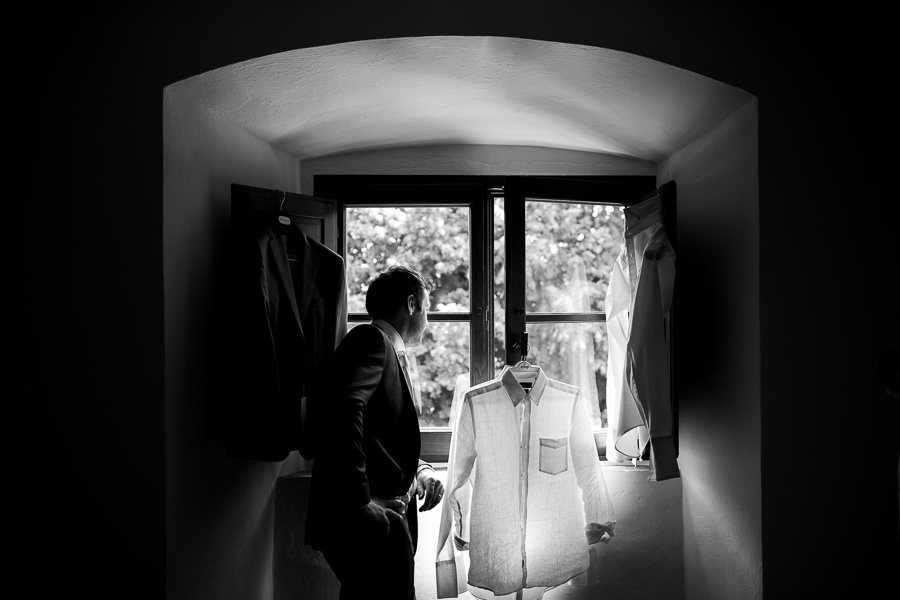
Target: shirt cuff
[422, 466]
[599, 532]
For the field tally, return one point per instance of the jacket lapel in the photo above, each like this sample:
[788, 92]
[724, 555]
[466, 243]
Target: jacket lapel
[280, 258]
[309, 261]
[404, 383]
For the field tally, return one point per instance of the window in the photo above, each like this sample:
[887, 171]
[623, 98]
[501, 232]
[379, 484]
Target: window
[570, 249]
[436, 241]
[510, 258]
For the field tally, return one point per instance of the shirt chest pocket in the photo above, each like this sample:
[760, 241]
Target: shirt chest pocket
[554, 458]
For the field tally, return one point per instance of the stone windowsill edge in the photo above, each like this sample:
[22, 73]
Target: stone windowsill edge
[642, 465]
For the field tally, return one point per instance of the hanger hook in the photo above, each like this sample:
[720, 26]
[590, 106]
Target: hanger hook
[283, 197]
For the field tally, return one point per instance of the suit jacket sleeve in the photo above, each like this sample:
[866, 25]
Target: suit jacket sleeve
[357, 371]
[340, 321]
[325, 325]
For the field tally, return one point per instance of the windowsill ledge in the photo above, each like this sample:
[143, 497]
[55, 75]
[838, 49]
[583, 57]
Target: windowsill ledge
[642, 465]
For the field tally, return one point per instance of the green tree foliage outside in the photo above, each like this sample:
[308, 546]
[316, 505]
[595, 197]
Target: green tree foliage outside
[570, 252]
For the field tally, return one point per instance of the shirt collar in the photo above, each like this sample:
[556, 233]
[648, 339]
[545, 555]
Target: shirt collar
[515, 390]
[388, 329]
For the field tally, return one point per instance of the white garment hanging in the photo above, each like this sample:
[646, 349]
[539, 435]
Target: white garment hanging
[525, 496]
[637, 302]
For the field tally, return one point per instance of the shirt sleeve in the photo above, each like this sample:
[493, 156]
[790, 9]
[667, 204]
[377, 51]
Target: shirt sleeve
[648, 352]
[599, 517]
[455, 505]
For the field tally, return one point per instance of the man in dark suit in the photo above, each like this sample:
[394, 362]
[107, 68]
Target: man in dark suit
[367, 474]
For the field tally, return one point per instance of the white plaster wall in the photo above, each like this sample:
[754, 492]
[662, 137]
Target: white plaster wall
[463, 159]
[219, 512]
[719, 376]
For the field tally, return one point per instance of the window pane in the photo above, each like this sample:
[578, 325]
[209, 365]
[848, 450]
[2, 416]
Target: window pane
[439, 367]
[574, 353]
[570, 250]
[432, 240]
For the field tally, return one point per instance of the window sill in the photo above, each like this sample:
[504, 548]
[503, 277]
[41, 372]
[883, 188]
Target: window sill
[642, 465]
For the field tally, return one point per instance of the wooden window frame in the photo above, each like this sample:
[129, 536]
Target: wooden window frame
[477, 193]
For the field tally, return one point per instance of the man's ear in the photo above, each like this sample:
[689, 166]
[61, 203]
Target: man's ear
[411, 304]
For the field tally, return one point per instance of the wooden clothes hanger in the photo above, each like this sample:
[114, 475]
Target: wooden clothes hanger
[525, 373]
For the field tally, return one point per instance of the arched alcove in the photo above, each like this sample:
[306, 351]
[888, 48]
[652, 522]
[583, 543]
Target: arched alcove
[422, 91]
[462, 105]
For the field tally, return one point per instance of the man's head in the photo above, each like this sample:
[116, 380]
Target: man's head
[399, 295]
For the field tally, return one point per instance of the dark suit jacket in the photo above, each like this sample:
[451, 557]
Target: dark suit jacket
[370, 437]
[289, 315]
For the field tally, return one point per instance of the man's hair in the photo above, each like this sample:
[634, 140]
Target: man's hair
[388, 292]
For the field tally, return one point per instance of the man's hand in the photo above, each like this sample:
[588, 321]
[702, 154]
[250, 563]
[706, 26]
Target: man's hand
[429, 487]
[376, 511]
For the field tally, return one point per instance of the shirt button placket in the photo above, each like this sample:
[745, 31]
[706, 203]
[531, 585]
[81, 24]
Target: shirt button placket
[523, 481]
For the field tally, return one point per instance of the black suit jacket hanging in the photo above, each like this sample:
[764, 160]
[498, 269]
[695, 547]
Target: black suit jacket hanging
[290, 314]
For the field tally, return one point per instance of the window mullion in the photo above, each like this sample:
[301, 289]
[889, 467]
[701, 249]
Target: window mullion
[481, 293]
[582, 317]
[514, 216]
